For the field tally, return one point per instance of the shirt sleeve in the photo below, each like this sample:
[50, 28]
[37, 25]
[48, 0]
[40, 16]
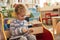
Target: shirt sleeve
[12, 28]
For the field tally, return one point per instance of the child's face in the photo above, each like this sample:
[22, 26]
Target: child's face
[21, 13]
[21, 16]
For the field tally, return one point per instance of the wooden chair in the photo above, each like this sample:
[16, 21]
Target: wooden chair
[46, 35]
[58, 28]
[3, 32]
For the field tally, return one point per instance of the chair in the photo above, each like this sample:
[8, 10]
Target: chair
[46, 35]
[1, 30]
[49, 16]
[58, 28]
[46, 20]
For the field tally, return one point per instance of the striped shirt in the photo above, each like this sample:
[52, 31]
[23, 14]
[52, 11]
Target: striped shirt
[17, 25]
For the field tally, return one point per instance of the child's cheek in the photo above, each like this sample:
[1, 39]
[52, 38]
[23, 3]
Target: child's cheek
[22, 18]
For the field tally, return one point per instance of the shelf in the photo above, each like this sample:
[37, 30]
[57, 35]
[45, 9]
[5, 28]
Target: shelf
[27, 3]
[49, 8]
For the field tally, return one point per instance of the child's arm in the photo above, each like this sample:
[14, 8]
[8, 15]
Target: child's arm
[31, 30]
[12, 28]
[25, 28]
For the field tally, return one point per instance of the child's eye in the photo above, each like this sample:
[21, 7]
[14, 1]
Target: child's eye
[22, 16]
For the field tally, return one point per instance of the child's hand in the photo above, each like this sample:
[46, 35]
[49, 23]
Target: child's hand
[31, 30]
[24, 30]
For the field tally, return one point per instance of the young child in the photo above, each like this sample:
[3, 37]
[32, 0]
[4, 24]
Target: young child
[19, 25]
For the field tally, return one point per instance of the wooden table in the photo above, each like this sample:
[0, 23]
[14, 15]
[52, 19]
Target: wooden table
[54, 22]
[37, 30]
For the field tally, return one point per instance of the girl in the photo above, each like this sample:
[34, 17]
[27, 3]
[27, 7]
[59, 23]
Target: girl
[20, 24]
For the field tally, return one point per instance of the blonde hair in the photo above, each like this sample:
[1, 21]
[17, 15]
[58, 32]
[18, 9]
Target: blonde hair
[20, 7]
